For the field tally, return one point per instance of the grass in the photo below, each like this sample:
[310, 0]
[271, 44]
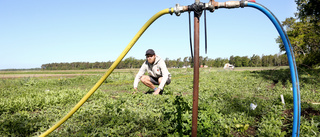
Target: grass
[30, 106]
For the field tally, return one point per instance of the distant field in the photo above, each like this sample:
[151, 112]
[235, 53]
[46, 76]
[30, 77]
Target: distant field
[74, 73]
[53, 73]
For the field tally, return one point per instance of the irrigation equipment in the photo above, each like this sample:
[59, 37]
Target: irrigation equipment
[198, 7]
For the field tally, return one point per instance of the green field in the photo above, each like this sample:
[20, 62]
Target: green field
[31, 105]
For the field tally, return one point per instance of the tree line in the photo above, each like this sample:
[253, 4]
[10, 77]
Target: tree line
[304, 33]
[131, 62]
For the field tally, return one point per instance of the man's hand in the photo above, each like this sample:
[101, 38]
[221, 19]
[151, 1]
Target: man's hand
[157, 91]
[135, 90]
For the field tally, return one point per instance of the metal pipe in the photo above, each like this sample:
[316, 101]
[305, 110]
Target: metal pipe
[229, 4]
[195, 77]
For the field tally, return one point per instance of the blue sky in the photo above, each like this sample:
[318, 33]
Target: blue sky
[37, 32]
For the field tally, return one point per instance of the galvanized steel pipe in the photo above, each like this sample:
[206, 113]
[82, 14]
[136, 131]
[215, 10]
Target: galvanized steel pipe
[195, 77]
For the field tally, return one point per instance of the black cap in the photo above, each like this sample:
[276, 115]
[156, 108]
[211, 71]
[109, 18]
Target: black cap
[150, 52]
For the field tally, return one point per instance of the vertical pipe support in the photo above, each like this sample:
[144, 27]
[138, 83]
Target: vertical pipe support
[195, 76]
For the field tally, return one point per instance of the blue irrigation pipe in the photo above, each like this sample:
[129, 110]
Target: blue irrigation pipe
[292, 65]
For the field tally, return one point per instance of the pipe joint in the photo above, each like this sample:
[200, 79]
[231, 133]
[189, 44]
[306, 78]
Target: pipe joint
[229, 4]
[178, 9]
[197, 8]
[209, 6]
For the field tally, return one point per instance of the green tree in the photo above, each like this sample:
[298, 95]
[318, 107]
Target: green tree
[255, 61]
[185, 61]
[205, 61]
[308, 10]
[245, 61]
[200, 60]
[237, 61]
[179, 63]
[210, 62]
[217, 62]
[304, 32]
[231, 60]
[284, 60]
[264, 61]
[191, 61]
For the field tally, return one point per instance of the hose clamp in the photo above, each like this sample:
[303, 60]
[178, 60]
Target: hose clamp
[243, 3]
[170, 12]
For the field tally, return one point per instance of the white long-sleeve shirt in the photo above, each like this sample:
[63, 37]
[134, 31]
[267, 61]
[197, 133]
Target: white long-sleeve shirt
[157, 69]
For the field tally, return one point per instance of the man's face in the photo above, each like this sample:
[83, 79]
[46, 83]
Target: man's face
[151, 58]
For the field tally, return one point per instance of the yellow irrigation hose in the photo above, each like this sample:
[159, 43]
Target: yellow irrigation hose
[109, 71]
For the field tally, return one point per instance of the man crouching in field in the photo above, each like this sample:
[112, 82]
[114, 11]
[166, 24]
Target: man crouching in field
[158, 73]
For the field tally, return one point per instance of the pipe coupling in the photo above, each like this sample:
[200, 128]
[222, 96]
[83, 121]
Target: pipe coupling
[229, 4]
[243, 3]
[209, 6]
[178, 9]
